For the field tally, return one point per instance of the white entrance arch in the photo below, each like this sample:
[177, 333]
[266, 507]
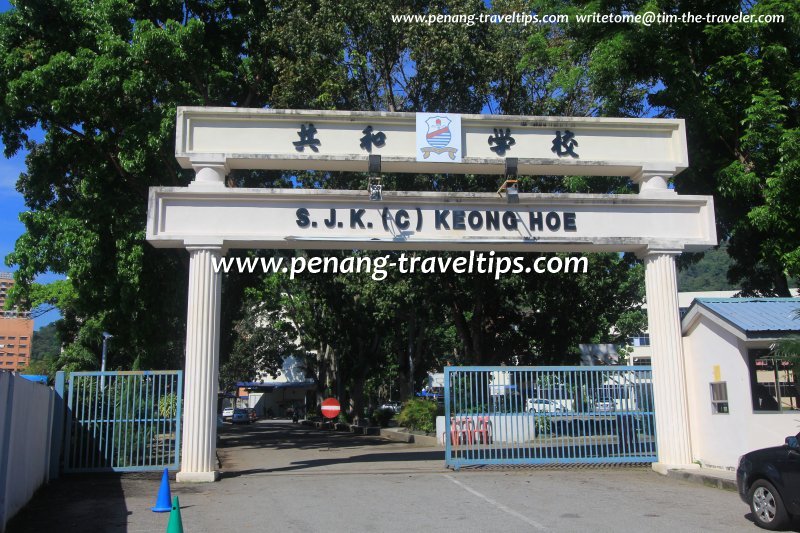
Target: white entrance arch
[208, 219]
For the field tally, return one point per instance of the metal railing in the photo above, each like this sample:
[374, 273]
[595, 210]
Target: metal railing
[548, 415]
[123, 421]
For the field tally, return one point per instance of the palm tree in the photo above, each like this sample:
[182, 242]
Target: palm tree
[788, 349]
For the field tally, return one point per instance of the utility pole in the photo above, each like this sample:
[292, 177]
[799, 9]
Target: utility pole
[106, 336]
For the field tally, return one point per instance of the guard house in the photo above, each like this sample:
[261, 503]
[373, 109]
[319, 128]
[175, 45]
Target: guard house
[281, 395]
[741, 396]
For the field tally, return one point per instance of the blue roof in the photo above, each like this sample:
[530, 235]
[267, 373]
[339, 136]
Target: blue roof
[35, 377]
[756, 315]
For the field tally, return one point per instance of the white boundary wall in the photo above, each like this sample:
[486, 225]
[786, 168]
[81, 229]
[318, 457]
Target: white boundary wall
[26, 419]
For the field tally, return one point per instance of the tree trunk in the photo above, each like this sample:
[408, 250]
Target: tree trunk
[781, 285]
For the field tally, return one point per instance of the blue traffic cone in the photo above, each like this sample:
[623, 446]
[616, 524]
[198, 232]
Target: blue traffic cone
[175, 524]
[163, 503]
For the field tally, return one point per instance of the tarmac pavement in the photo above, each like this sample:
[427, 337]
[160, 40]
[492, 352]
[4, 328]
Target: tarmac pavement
[279, 476]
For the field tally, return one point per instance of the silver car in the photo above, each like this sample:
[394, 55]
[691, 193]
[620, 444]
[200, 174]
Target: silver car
[241, 416]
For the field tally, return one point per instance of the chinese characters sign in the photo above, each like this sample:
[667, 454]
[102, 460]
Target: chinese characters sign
[438, 139]
[435, 143]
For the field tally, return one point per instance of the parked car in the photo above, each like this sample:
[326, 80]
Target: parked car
[560, 397]
[541, 405]
[394, 407]
[240, 416]
[227, 413]
[251, 413]
[769, 482]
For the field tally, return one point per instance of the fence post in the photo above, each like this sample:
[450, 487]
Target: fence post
[448, 451]
[5, 437]
[57, 431]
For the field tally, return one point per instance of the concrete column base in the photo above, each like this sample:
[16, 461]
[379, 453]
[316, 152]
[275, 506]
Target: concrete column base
[197, 477]
[664, 469]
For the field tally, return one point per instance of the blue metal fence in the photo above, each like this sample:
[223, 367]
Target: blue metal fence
[549, 415]
[123, 421]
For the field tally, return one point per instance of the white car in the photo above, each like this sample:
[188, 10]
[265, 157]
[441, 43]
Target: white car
[605, 405]
[541, 405]
[227, 413]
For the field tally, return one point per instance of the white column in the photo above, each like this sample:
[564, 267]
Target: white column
[669, 371]
[198, 450]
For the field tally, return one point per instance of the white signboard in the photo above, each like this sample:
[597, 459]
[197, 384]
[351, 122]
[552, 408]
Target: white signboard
[315, 219]
[235, 138]
[439, 137]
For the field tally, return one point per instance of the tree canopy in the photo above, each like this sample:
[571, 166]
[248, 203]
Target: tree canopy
[103, 79]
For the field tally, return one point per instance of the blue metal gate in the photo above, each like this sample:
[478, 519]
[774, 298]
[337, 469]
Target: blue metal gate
[548, 415]
[123, 421]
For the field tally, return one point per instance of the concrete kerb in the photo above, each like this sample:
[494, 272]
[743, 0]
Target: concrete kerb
[402, 435]
[396, 434]
[710, 477]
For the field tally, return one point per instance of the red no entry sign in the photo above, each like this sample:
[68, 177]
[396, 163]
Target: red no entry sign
[330, 408]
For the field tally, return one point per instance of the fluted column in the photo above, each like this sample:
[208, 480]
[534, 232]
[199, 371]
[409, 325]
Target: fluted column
[198, 450]
[669, 371]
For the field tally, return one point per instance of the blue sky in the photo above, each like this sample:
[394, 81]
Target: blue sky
[12, 205]
[10, 226]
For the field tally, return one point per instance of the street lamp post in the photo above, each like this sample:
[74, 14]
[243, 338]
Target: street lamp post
[106, 336]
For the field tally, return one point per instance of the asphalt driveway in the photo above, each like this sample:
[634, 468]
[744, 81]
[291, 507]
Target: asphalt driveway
[279, 476]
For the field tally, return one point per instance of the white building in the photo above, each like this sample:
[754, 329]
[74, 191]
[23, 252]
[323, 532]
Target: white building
[276, 396]
[740, 397]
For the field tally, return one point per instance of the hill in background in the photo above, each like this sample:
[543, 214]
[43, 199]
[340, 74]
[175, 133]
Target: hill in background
[708, 274]
[46, 343]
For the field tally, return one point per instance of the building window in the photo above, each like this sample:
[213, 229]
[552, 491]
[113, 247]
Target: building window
[23, 338]
[719, 397]
[772, 383]
[641, 340]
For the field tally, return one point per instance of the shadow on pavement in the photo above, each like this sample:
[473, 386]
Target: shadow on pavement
[366, 458]
[72, 504]
[280, 435]
[794, 522]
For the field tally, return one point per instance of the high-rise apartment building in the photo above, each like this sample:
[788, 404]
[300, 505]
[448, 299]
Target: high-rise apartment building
[16, 331]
